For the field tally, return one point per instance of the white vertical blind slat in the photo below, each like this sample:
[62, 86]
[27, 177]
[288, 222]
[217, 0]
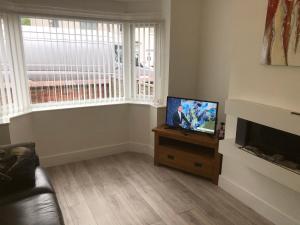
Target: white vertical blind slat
[47, 86]
[148, 60]
[118, 62]
[139, 60]
[98, 67]
[103, 61]
[156, 61]
[10, 78]
[93, 60]
[160, 90]
[3, 105]
[87, 60]
[76, 60]
[18, 46]
[112, 47]
[14, 85]
[144, 60]
[127, 41]
[13, 89]
[39, 87]
[6, 98]
[81, 60]
[122, 62]
[52, 67]
[108, 58]
[70, 56]
[65, 53]
[134, 70]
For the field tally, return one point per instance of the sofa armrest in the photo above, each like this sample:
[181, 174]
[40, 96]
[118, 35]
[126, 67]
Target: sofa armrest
[42, 185]
[42, 209]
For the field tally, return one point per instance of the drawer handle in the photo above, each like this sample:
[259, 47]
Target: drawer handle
[171, 157]
[197, 164]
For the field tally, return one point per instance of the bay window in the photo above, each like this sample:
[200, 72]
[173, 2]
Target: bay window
[50, 61]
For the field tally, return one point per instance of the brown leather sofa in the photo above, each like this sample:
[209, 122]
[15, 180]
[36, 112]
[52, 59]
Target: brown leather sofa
[34, 205]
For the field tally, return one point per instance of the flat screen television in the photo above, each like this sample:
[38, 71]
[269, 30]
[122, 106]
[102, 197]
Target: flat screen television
[191, 114]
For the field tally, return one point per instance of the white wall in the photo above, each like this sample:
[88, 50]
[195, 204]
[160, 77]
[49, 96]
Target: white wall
[278, 203]
[215, 47]
[142, 119]
[274, 85]
[4, 134]
[139, 123]
[106, 6]
[200, 50]
[102, 5]
[165, 61]
[184, 47]
[67, 135]
[271, 85]
[21, 129]
[70, 130]
[230, 49]
[149, 6]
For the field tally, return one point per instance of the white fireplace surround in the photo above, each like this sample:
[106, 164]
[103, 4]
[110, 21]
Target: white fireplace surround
[269, 189]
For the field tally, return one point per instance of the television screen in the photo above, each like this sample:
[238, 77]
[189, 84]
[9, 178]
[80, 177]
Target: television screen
[194, 115]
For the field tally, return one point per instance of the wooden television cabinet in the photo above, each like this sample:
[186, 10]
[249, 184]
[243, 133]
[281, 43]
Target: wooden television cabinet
[190, 152]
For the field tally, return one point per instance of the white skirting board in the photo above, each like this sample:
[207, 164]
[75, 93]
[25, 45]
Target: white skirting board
[141, 148]
[95, 152]
[254, 202]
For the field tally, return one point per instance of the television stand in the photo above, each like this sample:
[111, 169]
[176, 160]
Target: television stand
[193, 153]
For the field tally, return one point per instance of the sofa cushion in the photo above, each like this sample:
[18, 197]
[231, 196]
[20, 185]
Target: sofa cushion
[29, 145]
[35, 210]
[17, 168]
[42, 185]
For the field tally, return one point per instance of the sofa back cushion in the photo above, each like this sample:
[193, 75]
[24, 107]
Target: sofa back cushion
[17, 168]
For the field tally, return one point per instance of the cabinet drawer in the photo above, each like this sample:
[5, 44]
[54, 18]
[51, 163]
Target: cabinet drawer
[193, 163]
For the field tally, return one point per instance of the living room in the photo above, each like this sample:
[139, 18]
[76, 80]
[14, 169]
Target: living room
[195, 49]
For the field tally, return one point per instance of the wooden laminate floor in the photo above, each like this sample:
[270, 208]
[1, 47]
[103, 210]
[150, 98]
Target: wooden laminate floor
[127, 189]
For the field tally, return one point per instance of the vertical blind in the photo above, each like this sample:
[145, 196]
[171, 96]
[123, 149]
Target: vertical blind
[144, 56]
[13, 92]
[70, 61]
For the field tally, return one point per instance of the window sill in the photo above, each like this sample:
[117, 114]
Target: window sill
[42, 108]
[50, 107]
[6, 120]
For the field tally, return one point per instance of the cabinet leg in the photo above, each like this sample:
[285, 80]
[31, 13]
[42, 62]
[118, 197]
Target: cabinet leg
[215, 180]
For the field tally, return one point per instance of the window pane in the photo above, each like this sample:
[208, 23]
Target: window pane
[73, 60]
[144, 51]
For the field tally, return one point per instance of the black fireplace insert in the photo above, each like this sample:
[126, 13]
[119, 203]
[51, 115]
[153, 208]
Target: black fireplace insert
[274, 145]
